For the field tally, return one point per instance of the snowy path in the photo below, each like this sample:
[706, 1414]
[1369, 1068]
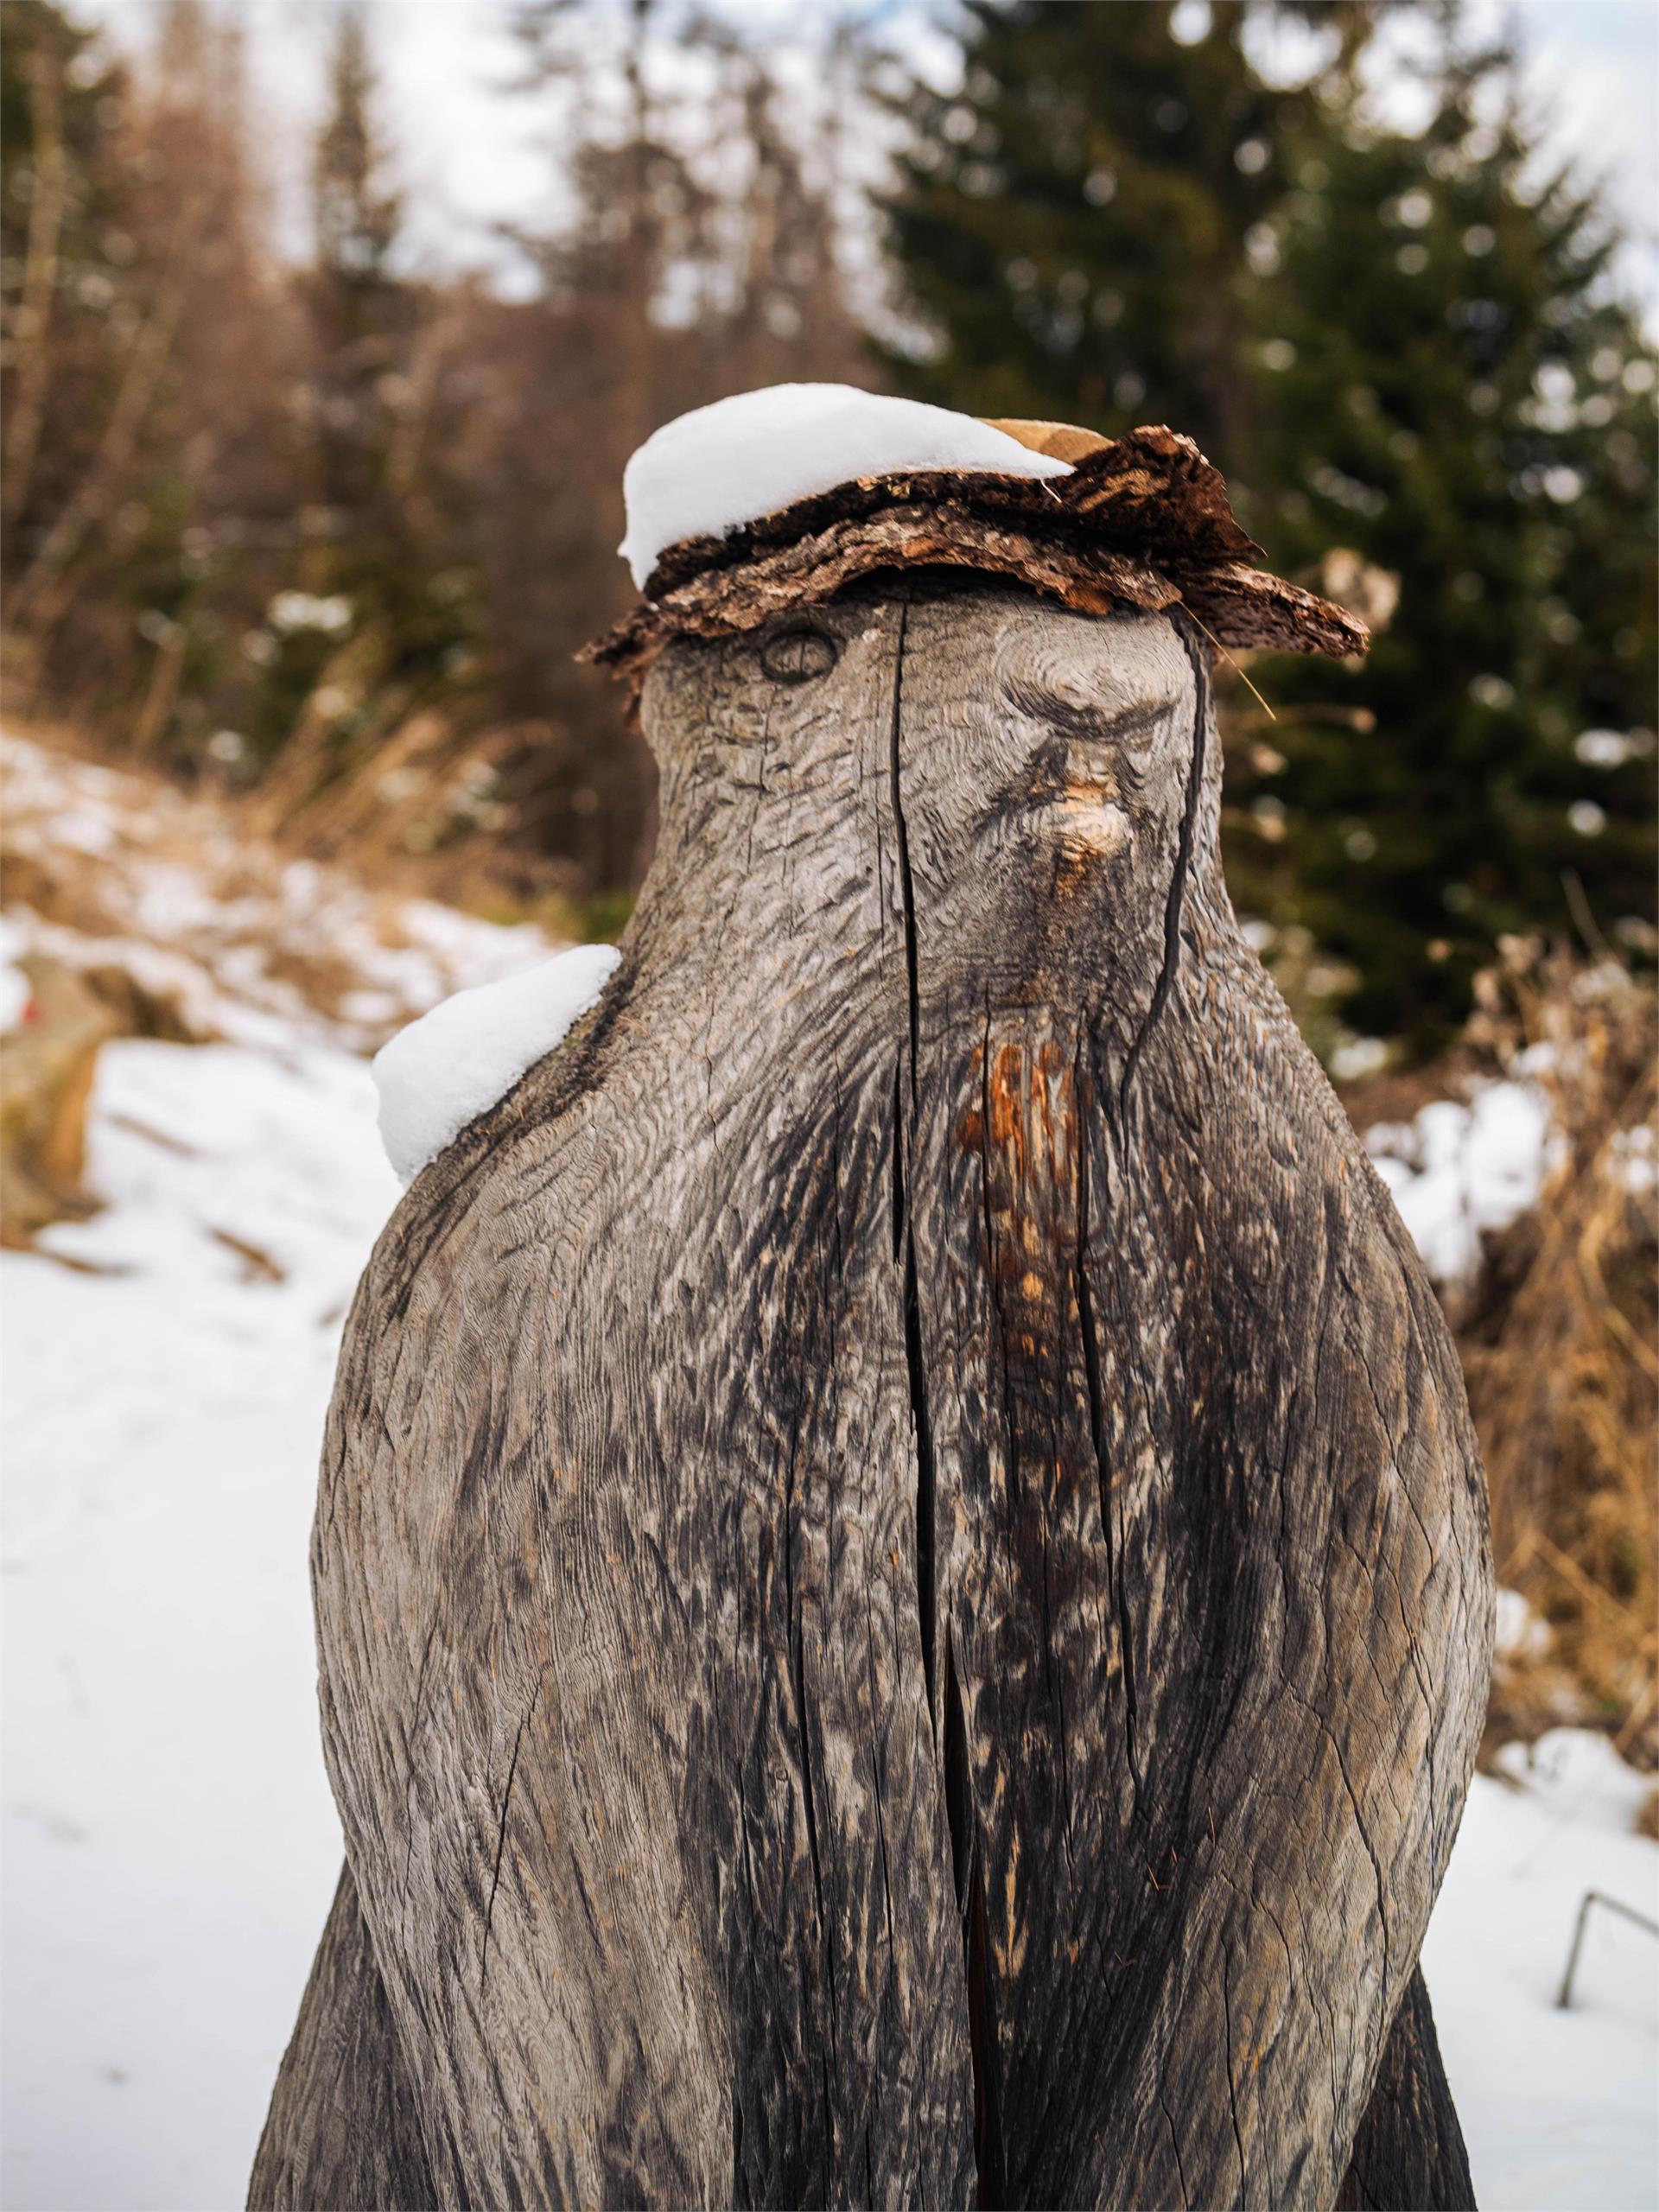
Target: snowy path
[170, 1846]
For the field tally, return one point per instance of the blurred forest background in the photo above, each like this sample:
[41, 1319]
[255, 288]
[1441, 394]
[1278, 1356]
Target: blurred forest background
[324, 526]
[315, 528]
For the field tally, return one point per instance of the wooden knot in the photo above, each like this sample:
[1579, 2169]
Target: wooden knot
[799, 653]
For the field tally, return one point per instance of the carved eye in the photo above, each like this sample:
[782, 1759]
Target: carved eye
[797, 654]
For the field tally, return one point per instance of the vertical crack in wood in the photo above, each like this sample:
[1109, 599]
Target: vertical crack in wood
[968, 1875]
[956, 1810]
[1165, 984]
[1087, 1330]
[898, 1177]
[926, 1479]
[965, 1862]
[501, 1836]
[982, 2036]
[903, 1134]
[926, 1592]
[907, 889]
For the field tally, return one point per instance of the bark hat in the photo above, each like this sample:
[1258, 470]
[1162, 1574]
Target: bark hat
[776, 499]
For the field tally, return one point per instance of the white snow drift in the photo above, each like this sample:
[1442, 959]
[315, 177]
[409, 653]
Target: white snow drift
[444, 1069]
[706, 472]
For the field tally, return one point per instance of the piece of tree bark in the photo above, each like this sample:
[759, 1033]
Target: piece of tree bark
[900, 1564]
[1143, 522]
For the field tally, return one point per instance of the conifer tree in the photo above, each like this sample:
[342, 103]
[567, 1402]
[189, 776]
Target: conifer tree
[1076, 223]
[360, 312]
[374, 541]
[62, 254]
[1455, 392]
[145, 395]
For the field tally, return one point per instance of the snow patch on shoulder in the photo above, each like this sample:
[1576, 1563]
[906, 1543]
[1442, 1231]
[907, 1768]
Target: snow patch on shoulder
[706, 472]
[444, 1069]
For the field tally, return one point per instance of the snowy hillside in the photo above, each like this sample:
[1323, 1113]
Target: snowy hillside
[170, 1845]
[106, 870]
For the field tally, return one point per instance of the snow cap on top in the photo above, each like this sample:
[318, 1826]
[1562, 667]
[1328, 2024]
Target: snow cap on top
[446, 1069]
[742, 458]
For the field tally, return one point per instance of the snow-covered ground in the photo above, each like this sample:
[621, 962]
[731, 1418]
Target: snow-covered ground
[235, 938]
[1559, 2109]
[169, 1842]
[170, 1846]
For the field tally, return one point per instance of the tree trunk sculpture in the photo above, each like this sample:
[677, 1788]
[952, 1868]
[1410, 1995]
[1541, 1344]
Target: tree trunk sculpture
[900, 1566]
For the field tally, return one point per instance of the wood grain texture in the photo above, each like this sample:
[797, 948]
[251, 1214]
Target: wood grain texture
[900, 1565]
[1409, 2155]
[344, 2129]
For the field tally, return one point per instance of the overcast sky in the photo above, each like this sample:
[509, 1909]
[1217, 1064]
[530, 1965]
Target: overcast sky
[469, 157]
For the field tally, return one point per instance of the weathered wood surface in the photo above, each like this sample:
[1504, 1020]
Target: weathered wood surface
[900, 1564]
[344, 2129]
[1409, 2150]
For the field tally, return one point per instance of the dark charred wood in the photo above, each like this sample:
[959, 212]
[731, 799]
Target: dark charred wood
[900, 1564]
[1409, 2155]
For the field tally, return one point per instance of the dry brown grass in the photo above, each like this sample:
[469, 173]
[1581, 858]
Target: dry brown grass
[1559, 1346]
[129, 865]
[417, 809]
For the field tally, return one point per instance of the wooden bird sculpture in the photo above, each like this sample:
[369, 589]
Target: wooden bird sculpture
[900, 1565]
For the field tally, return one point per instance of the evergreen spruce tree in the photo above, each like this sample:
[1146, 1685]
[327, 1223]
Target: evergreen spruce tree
[1075, 225]
[1455, 392]
[360, 311]
[65, 253]
[374, 536]
[148, 444]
